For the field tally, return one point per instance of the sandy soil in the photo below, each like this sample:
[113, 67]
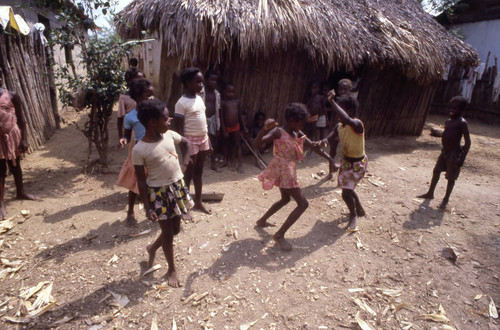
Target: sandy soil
[233, 275]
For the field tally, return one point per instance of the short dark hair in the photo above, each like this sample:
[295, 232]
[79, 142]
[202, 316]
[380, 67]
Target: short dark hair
[188, 74]
[227, 85]
[209, 73]
[296, 111]
[460, 101]
[259, 114]
[149, 110]
[346, 81]
[133, 61]
[130, 74]
[137, 88]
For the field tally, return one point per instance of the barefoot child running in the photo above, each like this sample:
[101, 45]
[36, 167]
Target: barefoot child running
[452, 155]
[350, 133]
[164, 194]
[289, 144]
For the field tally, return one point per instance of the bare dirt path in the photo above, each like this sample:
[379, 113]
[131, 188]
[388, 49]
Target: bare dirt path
[388, 274]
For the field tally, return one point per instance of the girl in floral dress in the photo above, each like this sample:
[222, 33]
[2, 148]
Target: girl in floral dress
[289, 144]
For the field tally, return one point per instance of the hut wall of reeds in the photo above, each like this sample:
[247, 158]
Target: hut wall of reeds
[24, 63]
[271, 50]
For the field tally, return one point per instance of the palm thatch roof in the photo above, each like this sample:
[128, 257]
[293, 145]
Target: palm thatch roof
[334, 33]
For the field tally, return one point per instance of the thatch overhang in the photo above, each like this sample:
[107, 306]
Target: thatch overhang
[337, 34]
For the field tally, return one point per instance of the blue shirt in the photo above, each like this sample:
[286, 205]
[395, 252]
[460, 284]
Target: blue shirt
[131, 122]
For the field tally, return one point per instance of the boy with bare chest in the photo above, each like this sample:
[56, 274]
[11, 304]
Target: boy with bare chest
[212, 100]
[232, 122]
[316, 104]
[453, 154]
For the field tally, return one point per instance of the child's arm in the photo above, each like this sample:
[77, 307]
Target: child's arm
[143, 192]
[222, 122]
[21, 121]
[185, 147]
[343, 116]
[315, 146]
[466, 147]
[242, 122]
[268, 133]
[125, 139]
[179, 124]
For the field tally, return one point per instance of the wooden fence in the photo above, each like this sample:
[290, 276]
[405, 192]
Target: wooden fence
[23, 60]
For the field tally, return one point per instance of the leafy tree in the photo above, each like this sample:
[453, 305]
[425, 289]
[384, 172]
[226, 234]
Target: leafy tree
[99, 86]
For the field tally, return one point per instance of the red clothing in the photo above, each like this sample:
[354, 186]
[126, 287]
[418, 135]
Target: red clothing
[10, 134]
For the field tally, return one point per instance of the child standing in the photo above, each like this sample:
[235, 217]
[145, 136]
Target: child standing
[350, 133]
[191, 122]
[125, 102]
[452, 155]
[13, 142]
[164, 195]
[232, 122]
[212, 99]
[289, 144]
[317, 108]
[140, 90]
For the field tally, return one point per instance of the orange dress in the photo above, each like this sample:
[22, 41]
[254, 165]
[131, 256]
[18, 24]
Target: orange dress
[10, 134]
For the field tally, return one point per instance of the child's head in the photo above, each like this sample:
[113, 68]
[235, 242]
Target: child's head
[211, 79]
[344, 87]
[315, 87]
[131, 74]
[192, 79]
[140, 90]
[259, 118]
[296, 115]
[457, 106]
[229, 91]
[133, 62]
[325, 88]
[153, 114]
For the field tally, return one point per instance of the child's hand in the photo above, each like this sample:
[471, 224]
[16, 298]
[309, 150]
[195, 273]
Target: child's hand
[324, 143]
[331, 95]
[122, 143]
[23, 146]
[184, 166]
[335, 166]
[151, 215]
[270, 124]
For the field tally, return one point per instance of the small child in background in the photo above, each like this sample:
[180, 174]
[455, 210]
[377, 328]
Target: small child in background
[289, 144]
[452, 155]
[212, 99]
[164, 194]
[125, 102]
[232, 123]
[317, 108]
[350, 133]
[258, 125]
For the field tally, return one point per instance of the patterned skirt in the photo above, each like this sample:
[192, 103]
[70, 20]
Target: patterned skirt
[350, 173]
[170, 201]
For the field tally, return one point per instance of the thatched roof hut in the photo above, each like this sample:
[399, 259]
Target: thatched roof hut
[272, 49]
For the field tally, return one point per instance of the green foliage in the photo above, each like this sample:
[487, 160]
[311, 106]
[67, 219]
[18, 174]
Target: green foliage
[98, 86]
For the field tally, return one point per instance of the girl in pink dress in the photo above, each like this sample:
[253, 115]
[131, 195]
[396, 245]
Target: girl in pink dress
[289, 144]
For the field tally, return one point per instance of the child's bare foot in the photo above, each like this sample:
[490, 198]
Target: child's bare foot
[426, 196]
[172, 279]
[202, 208]
[264, 223]
[130, 220]
[151, 255]
[282, 242]
[26, 196]
[216, 168]
[443, 204]
[360, 211]
[329, 176]
[187, 217]
[351, 226]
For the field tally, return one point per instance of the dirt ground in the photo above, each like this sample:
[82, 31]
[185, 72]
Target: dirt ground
[389, 274]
